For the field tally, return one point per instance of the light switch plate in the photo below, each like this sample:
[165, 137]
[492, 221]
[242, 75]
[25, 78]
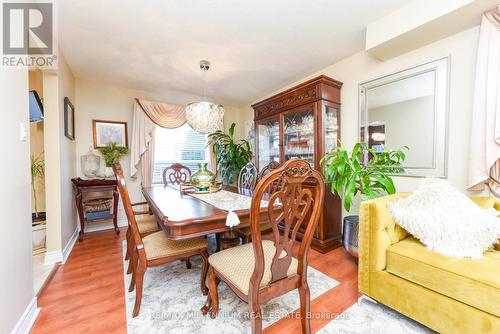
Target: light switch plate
[23, 132]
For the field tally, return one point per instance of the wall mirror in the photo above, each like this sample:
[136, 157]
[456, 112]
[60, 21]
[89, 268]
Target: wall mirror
[409, 108]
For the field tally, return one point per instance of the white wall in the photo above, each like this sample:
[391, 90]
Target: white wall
[100, 101]
[16, 279]
[361, 67]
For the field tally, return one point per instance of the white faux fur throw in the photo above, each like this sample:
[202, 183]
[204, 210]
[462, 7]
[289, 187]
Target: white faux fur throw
[446, 220]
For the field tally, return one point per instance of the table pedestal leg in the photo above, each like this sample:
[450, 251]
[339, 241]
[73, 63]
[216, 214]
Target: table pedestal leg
[229, 239]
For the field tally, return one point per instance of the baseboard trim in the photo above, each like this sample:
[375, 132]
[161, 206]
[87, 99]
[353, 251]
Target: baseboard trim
[69, 246]
[59, 256]
[53, 257]
[28, 318]
[106, 226]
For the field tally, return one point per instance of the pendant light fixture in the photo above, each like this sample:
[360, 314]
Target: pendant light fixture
[205, 117]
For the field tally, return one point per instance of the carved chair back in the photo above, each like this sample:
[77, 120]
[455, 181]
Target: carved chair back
[176, 173]
[127, 205]
[268, 168]
[248, 177]
[295, 203]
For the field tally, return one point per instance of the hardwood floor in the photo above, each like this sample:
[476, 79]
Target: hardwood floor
[86, 294]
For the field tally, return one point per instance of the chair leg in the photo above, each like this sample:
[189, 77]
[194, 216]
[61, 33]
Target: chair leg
[188, 263]
[208, 304]
[127, 255]
[138, 291]
[305, 308]
[214, 295]
[256, 317]
[204, 270]
[130, 250]
[134, 258]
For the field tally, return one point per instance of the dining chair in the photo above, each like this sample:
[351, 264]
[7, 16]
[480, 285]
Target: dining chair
[247, 177]
[146, 224]
[176, 173]
[264, 269]
[268, 168]
[156, 249]
[245, 232]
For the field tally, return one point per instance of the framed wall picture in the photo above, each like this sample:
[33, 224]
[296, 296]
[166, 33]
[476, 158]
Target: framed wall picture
[106, 132]
[69, 119]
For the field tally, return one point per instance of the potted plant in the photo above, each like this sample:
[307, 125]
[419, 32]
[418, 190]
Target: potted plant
[38, 224]
[363, 171]
[230, 155]
[112, 154]
[37, 174]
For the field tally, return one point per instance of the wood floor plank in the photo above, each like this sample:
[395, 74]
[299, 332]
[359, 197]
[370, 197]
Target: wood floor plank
[86, 294]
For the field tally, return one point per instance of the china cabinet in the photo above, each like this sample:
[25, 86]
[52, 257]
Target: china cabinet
[304, 122]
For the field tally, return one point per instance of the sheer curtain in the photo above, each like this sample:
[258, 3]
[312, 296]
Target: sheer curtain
[484, 161]
[148, 114]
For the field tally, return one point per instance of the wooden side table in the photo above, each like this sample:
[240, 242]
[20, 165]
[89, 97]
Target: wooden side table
[82, 187]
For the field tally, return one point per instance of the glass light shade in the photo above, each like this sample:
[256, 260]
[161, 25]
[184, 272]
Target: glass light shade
[205, 117]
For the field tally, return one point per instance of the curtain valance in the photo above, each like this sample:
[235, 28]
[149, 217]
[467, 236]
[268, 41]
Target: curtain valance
[168, 116]
[148, 114]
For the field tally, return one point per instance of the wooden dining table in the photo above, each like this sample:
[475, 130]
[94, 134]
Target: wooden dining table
[182, 216]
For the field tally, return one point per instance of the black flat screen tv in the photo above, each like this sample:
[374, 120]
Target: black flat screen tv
[36, 107]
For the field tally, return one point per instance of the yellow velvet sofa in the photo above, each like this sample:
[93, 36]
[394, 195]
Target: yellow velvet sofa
[446, 294]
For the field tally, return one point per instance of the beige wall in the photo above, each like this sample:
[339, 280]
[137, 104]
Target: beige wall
[60, 158]
[35, 80]
[361, 67]
[100, 101]
[68, 155]
[16, 279]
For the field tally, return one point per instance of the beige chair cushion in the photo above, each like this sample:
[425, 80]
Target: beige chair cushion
[157, 245]
[236, 264]
[146, 223]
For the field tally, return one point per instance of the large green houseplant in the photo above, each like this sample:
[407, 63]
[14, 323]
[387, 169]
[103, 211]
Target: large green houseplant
[231, 155]
[362, 171]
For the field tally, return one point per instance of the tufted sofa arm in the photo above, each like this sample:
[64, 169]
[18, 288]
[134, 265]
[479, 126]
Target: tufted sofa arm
[377, 231]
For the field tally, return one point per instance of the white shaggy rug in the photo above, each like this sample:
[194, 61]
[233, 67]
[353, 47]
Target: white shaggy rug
[172, 300]
[369, 317]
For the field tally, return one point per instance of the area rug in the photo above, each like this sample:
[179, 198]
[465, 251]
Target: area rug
[172, 300]
[369, 317]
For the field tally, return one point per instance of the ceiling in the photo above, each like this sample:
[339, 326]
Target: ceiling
[255, 46]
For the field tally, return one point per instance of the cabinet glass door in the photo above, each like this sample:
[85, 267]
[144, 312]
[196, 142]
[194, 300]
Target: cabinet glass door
[331, 128]
[269, 142]
[299, 135]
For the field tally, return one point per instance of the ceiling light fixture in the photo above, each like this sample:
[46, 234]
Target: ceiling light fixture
[205, 117]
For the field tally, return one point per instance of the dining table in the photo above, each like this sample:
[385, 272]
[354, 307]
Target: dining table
[182, 216]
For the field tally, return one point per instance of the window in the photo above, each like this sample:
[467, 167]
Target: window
[182, 145]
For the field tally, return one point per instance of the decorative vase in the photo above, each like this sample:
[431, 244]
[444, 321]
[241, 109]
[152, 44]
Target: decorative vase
[108, 172]
[90, 164]
[202, 178]
[350, 235]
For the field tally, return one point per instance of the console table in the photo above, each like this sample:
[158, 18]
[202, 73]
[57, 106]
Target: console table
[82, 187]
